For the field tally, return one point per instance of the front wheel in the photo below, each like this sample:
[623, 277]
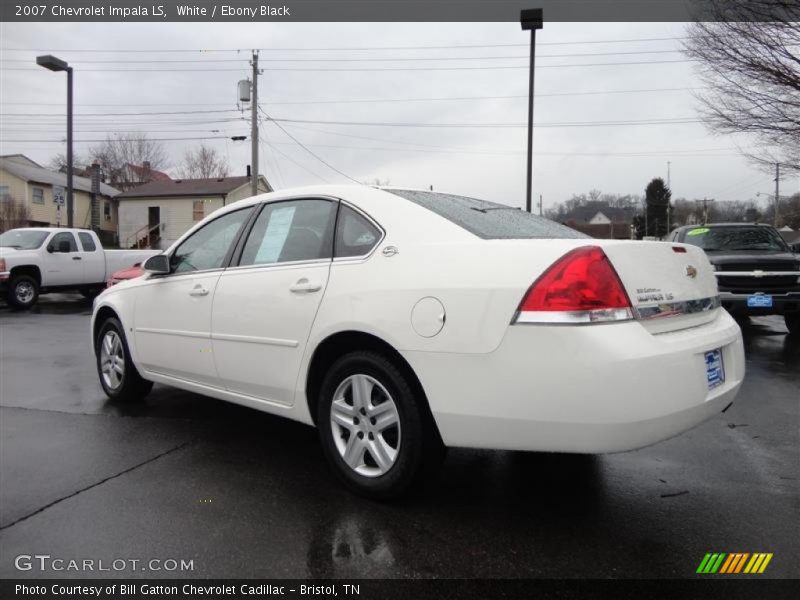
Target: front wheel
[792, 323]
[118, 374]
[23, 291]
[375, 432]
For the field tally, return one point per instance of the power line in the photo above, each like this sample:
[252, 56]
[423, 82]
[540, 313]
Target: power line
[174, 139]
[360, 59]
[344, 48]
[123, 114]
[294, 162]
[373, 69]
[323, 161]
[667, 121]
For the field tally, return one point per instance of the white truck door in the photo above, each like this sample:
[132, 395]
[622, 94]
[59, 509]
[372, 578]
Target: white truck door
[63, 263]
[93, 257]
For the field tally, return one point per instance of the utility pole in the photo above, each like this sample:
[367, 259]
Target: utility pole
[777, 191]
[254, 129]
[531, 19]
[540, 205]
[705, 209]
[669, 185]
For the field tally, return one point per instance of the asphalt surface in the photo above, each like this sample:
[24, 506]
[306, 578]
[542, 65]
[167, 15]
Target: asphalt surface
[244, 494]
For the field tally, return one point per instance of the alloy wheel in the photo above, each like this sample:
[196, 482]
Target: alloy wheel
[112, 359]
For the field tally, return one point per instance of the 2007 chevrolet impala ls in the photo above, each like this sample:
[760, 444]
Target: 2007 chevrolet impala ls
[400, 322]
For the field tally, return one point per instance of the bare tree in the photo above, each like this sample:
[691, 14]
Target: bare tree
[13, 214]
[121, 149]
[749, 61]
[204, 162]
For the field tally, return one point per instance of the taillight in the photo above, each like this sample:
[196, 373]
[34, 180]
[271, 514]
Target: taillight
[2, 265]
[580, 287]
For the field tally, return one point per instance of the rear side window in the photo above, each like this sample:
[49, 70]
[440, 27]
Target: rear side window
[291, 231]
[488, 220]
[355, 235]
[87, 242]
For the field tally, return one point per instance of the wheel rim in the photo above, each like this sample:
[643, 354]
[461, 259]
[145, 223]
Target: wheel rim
[24, 292]
[112, 360]
[365, 425]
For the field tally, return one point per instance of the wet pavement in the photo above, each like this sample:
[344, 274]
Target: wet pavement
[244, 494]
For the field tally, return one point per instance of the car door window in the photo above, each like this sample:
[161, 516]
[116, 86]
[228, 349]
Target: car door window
[355, 235]
[87, 242]
[207, 247]
[296, 230]
[60, 239]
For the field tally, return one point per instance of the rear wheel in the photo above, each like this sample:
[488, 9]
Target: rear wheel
[118, 374]
[792, 323]
[374, 430]
[23, 291]
[90, 293]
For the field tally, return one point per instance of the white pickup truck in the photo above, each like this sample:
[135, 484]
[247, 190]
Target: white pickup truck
[38, 260]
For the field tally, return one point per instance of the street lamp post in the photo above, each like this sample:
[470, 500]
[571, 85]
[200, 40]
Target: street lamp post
[56, 64]
[531, 19]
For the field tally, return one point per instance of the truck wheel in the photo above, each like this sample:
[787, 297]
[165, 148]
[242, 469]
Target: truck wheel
[118, 375]
[792, 323]
[374, 431]
[23, 291]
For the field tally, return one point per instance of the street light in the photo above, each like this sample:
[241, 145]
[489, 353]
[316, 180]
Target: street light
[56, 64]
[531, 19]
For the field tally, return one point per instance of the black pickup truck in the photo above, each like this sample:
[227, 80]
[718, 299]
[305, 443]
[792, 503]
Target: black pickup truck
[758, 273]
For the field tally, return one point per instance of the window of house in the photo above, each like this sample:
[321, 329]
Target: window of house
[291, 231]
[38, 195]
[198, 210]
[5, 196]
[107, 210]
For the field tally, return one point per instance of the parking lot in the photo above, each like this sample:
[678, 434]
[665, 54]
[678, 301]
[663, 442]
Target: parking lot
[245, 494]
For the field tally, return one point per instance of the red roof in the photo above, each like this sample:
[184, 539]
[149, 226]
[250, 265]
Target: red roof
[148, 174]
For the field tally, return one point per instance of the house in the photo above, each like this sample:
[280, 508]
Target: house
[157, 213]
[131, 176]
[28, 185]
[599, 220]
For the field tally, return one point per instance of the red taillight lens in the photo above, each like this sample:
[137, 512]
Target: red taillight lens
[580, 287]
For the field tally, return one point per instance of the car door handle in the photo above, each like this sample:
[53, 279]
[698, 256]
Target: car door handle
[304, 286]
[198, 290]
[76, 258]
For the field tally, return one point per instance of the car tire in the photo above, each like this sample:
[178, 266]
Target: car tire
[113, 356]
[385, 446]
[792, 323]
[23, 291]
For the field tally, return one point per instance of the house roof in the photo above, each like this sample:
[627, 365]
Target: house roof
[188, 187]
[603, 231]
[26, 169]
[585, 213]
[142, 172]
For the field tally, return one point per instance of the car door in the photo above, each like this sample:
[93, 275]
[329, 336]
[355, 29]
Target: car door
[64, 265]
[173, 311]
[93, 259]
[265, 305]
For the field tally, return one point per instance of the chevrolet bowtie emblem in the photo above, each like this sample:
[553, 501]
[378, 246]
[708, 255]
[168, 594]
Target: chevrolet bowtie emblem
[691, 272]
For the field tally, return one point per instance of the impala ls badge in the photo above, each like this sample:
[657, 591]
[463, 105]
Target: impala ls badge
[691, 272]
[390, 251]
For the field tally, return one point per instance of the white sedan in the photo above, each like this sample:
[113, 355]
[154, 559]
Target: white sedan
[400, 322]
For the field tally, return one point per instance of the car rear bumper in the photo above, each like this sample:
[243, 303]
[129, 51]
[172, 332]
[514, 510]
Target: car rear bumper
[586, 389]
[788, 302]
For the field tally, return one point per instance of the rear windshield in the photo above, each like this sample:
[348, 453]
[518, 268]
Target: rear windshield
[488, 220]
[735, 238]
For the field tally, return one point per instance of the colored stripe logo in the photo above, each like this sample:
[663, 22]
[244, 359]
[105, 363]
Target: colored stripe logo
[734, 563]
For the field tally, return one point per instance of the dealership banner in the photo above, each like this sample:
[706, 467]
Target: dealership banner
[362, 10]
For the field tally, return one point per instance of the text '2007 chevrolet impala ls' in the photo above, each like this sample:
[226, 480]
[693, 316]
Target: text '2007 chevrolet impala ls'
[401, 322]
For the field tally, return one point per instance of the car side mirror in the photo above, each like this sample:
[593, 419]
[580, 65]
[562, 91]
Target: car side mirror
[63, 247]
[795, 247]
[51, 248]
[158, 264]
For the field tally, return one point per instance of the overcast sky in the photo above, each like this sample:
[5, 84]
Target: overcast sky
[487, 162]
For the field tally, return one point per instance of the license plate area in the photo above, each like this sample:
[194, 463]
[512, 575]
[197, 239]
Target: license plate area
[759, 301]
[715, 370]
